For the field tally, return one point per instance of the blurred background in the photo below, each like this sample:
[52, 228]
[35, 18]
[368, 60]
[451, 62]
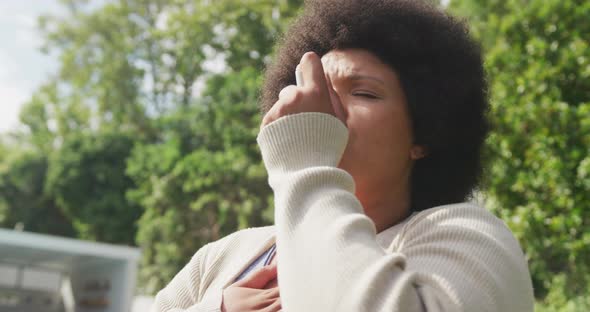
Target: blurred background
[133, 123]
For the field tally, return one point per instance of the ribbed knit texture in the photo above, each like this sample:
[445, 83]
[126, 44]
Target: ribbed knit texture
[449, 258]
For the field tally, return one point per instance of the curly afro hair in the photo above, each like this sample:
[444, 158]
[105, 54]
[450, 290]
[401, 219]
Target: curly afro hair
[440, 70]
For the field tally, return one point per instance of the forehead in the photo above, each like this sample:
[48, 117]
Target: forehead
[355, 61]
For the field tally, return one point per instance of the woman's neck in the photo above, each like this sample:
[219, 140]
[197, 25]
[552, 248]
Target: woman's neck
[386, 209]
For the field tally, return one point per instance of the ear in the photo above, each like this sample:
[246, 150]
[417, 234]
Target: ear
[418, 152]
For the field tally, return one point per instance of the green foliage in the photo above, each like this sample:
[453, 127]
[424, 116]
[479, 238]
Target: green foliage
[538, 62]
[153, 113]
[205, 181]
[98, 82]
[87, 179]
[559, 298]
[250, 29]
[22, 201]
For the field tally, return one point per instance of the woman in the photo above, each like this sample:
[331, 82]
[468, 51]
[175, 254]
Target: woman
[370, 158]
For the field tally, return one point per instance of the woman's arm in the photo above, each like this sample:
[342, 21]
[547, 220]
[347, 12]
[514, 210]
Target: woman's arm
[460, 259]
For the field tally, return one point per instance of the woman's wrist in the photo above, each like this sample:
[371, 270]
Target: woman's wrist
[302, 140]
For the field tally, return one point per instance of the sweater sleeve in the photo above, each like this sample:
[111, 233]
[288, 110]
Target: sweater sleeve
[461, 259]
[182, 293]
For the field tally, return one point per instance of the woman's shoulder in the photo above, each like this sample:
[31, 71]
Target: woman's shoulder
[470, 239]
[243, 238]
[241, 242]
[461, 216]
[464, 228]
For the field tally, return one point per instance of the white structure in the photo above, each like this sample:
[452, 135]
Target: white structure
[49, 273]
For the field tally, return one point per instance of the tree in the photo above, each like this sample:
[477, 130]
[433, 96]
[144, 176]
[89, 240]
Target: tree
[203, 178]
[169, 89]
[87, 179]
[22, 200]
[205, 181]
[538, 65]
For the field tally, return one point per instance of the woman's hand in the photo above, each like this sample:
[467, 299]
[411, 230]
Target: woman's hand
[314, 95]
[249, 294]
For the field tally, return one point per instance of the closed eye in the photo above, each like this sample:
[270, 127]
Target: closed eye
[365, 95]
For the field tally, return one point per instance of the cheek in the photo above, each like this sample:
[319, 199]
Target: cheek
[382, 129]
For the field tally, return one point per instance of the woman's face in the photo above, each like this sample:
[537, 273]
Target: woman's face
[380, 152]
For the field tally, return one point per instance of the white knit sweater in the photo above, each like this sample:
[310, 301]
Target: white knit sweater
[450, 258]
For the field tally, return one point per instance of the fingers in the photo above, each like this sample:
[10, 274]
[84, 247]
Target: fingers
[275, 112]
[272, 293]
[274, 307]
[312, 71]
[310, 95]
[266, 297]
[259, 278]
[298, 76]
[289, 94]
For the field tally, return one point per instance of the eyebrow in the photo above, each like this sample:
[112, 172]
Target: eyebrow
[361, 77]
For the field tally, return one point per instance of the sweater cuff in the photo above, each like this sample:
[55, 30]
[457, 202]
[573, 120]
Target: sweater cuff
[302, 140]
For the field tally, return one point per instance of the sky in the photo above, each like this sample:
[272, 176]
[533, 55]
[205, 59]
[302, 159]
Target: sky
[22, 66]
